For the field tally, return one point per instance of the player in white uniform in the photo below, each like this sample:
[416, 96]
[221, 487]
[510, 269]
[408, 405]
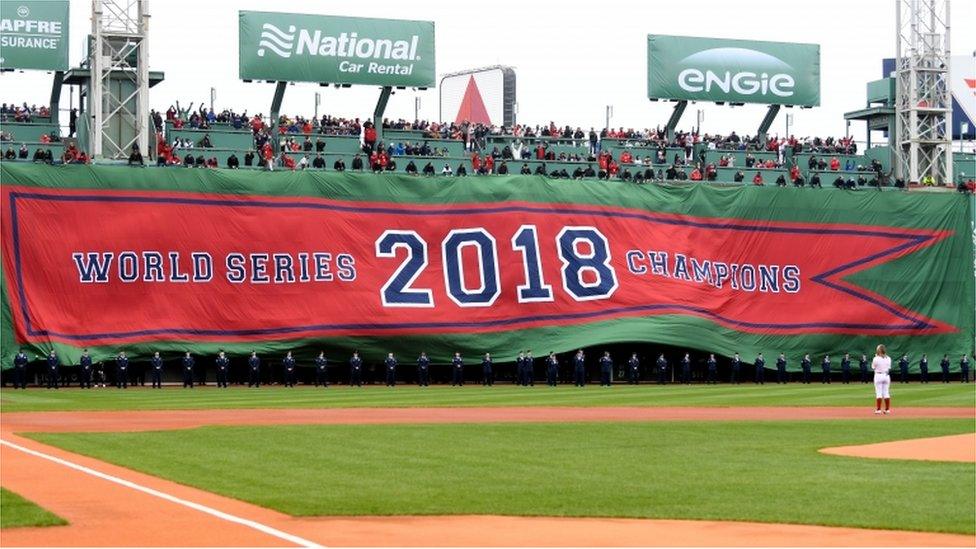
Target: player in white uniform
[882, 379]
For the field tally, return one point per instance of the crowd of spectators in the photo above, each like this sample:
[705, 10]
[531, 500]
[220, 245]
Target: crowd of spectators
[296, 142]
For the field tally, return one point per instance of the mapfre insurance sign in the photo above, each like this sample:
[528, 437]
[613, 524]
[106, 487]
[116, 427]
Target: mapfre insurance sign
[34, 35]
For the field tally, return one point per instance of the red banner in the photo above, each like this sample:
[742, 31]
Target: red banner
[98, 267]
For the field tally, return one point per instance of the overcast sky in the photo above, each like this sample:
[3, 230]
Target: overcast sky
[571, 58]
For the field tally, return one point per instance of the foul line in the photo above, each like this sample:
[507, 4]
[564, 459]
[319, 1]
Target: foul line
[302, 542]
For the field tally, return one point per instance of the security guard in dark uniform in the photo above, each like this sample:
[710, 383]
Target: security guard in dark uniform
[606, 369]
[223, 369]
[20, 370]
[254, 370]
[321, 370]
[760, 365]
[662, 370]
[964, 366]
[579, 369]
[156, 371]
[862, 363]
[845, 369]
[529, 363]
[355, 370]
[520, 369]
[391, 364]
[903, 368]
[944, 365]
[289, 365]
[923, 367]
[686, 369]
[736, 367]
[423, 370]
[711, 366]
[457, 370]
[805, 366]
[781, 369]
[86, 370]
[53, 364]
[633, 370]
[825, 369]
[552, 369]
[488, 375]
[188, 370]
[122, 371]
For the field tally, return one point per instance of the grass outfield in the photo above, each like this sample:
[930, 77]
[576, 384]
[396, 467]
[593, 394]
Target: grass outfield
[756, 471]
[16, 512]
[176, 398]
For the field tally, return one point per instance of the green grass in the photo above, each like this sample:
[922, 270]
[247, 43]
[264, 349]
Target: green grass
[16, 511]
[756, 471]
[174, 398]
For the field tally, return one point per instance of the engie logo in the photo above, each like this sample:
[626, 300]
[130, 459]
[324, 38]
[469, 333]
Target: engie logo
[764, 74]
[351, 45]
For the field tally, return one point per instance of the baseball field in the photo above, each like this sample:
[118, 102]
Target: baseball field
[645, 465]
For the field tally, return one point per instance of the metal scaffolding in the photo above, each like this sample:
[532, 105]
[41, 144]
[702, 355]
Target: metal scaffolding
[119, 63]
[923, 105]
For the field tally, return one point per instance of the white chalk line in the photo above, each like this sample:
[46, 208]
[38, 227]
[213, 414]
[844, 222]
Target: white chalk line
[301, 542]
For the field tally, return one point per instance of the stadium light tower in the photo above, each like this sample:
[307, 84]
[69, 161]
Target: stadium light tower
[119, 64]
[923, 109]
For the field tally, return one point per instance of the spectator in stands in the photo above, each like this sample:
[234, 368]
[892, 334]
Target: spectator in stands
[357, 162]
[188, 161]
[503, 168]
[318, 162]
[339, 165]
[757, 179]
[10, 154]
[390, 165]
[589, 171]
[233, 162]
[205, 142]
[781, 180]
[739, 176]
[750, 160]
[834, 164]
[446, 171]
[24, 152]
[303, 162]
[135, 156]
[489, 165]
[38, 155]
[73, 122]
[428, 169]
[461, 171]
[594, 143]
[541, 169]
[369, 138]
[696, 174]
[249, 158]
[212, 162]
[411, 168]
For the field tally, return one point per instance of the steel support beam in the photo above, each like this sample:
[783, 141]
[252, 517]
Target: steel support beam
[679, 109]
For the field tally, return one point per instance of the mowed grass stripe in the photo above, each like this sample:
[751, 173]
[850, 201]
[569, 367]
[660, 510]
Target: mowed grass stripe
[175, 398]
[17, 512]
[754, 471]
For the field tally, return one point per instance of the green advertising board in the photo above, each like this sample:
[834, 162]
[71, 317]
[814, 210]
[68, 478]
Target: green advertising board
[733, 71]
[34, 35]
[336, 50]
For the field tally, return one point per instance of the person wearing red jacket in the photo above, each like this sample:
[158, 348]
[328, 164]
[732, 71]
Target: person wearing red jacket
[540, 152]
[834, 164]
[696, 175]
[757, 179]
[369, 136]
[287, 161]
[489, 164]
[267, 153]
[794, 173]
[613, 168]
[475, 163]
[626, 158]
[374, 161]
